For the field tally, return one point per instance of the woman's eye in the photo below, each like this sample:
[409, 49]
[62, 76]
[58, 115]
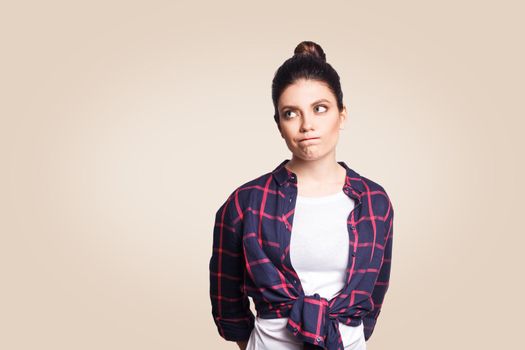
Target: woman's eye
[286, 114]
[322, 106]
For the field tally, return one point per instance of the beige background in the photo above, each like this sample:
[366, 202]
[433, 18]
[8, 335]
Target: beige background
[124, 126]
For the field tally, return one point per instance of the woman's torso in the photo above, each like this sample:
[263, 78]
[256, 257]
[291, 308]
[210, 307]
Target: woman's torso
[319, 250]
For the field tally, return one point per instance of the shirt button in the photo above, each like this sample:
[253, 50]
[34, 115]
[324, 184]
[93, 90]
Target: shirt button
[352, 227]
[318, 339]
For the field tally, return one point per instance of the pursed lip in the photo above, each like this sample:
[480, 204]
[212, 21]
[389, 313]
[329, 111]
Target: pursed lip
[309, 138]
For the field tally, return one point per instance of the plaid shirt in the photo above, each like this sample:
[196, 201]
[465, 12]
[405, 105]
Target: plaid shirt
[251, 257]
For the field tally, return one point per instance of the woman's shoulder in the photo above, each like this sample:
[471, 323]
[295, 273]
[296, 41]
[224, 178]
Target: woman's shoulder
[379, 198]
[246, 189]
[372, 189]
[373, 185]
[361, 182]
[255, 185]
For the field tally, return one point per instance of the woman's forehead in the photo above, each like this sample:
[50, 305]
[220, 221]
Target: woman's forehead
[306, 92]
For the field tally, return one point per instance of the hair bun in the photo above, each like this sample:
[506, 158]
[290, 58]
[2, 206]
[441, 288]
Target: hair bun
[310, 48]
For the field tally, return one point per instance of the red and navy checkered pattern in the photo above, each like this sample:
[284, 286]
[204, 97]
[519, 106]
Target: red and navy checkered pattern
[251, 258]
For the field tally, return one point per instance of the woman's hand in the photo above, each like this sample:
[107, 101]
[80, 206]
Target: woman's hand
[242, 344]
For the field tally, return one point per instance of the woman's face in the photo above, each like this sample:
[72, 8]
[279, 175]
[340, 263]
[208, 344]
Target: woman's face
[308, 109]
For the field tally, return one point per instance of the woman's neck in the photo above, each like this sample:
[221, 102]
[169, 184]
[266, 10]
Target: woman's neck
[318, 177]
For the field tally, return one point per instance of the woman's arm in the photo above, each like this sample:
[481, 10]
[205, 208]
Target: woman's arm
[383, 280]
[230, 304]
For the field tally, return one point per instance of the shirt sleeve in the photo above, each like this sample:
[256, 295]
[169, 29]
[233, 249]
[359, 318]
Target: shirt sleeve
[381, 285]
[230, 304]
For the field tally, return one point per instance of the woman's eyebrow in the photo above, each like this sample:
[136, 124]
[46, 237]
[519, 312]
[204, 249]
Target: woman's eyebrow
[313, 103]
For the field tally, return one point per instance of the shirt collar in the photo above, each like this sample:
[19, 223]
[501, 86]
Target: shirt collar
[353, 180]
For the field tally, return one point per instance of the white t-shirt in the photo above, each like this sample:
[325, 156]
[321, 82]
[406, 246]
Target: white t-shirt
[319, 231]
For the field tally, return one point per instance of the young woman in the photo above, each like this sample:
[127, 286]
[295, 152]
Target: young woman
[311, 241]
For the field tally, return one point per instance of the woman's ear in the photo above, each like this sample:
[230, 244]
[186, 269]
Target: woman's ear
[280, 130]
[342, 118]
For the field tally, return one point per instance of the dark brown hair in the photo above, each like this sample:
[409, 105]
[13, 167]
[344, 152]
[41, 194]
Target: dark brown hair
[308, 62]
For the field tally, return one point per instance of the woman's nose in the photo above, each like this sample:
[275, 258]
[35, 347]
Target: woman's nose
[306, 122]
